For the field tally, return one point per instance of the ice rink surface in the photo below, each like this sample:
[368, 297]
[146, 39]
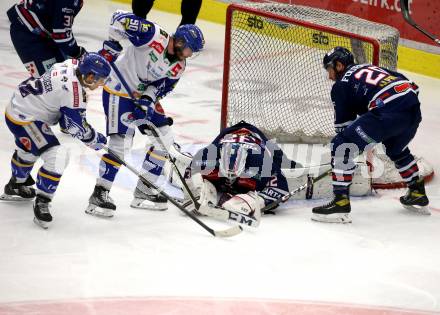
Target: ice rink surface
[139, 262]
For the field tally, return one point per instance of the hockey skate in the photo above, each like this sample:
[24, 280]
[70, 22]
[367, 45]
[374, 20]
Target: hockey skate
[100, 203]
[415, 198]
[19, 191]
[148, 199]
[336, 211]
[42, 218]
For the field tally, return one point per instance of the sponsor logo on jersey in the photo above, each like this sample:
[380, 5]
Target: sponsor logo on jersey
[64, 79]
[75, 94]
[32, 69]
[156, 46]
[47, 64]
[46, 129]
[47, 83]
[65, 88]
[67, 10]
[141, 87]
[153, 57]
[255, 22]
[163, 33]
[175, 70]
[364, 135]
[320, 38]
[26, 142]
[127, 119]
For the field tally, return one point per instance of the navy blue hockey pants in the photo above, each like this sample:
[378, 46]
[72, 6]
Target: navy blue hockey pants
[395, 125]
[37, 53]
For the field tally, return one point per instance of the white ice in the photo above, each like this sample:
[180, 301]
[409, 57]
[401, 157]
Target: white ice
[386, 257]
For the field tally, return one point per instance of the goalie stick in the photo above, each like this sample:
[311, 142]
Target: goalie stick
[220, 233]
[306, 185]
[404, 6]
[210, 209]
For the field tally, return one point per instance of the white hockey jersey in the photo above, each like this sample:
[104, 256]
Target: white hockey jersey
[145, 64]
[42, 99]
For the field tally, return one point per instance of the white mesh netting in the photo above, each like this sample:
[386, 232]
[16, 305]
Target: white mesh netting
[273, 69]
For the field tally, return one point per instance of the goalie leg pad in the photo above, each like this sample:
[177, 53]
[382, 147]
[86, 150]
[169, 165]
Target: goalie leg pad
[249, 204]
[208, 195]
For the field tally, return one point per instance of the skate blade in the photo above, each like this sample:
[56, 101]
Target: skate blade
[99, 212]
[420, 210]
[6, 197]
[143, 204]
[43, 224]
[332, 218]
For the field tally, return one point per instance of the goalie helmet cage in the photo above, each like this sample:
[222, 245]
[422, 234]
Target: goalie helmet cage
[273, 75]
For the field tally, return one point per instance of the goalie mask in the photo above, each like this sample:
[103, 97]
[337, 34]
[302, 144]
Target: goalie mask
[233, 157]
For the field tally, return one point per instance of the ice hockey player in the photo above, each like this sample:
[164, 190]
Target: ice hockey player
[241, 173]
[389, 112]
[188, 8]
[59, 96]
[152, 64]
[41, 31]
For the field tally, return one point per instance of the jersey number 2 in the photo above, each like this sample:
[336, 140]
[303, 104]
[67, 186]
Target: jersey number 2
[27, 88]
[370, 72]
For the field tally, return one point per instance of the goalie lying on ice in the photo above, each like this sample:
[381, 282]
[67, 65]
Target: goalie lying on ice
[241, 172]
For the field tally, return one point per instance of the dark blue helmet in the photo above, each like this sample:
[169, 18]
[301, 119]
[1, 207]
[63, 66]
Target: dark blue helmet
[341, 54]
[95, 64]
[192, 37]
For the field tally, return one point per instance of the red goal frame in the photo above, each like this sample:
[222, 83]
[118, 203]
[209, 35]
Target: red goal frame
[227, 64]
[227, 53]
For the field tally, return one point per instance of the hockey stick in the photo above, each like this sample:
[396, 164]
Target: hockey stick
[405, 12]
[309, 182]
[221, 233]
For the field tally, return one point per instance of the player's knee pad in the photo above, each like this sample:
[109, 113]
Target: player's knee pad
[119, 144]
[56, 159]
[208, 193]
[166, 136]
[26, 156]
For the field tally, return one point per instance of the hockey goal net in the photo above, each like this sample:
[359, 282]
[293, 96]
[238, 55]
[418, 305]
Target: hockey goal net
[273, 76]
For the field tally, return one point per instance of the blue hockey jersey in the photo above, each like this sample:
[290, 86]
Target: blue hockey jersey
[365, 87]
[50, 19]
